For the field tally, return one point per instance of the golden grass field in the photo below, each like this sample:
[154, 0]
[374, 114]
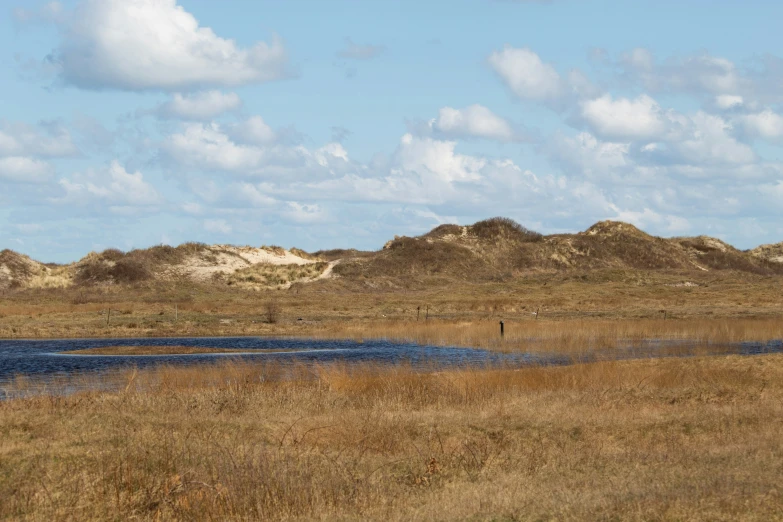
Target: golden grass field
[151, 350]
[661, 439]
[679, 438]
[186, 308]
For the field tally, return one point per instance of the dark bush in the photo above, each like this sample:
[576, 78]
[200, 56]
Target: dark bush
[112, 254]
[129, 271]
[505, 228]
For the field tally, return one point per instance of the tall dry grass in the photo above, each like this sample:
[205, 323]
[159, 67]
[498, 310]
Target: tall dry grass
[669, 439]
[570, 337]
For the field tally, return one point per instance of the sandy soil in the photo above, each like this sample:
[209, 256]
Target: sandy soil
[231, 258]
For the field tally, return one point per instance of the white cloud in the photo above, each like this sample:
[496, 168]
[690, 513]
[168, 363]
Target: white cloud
[47, 140]
[329, 152]
[640, 59]
[202, 105]
[709, 141]
[19, 169]
[359, 52]
[217, 225]
[647, 219]
[728, 101]
[206, 146]
[306, 214]
[701, 73]
[525, 74]
[593, 157]
[625, 119]
[114, 186]
[766, 124]
[436, 159]
[211, 147]
[475, 121]
[156, 44]
[254, 131]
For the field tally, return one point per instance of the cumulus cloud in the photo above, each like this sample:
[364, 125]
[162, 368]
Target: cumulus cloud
[766, 124]
[728, 101]
[156, 45]
[304, 213]
[207, 146]
[248, 150]
[697, 73]
[17, 169]
[474, 121]
[47, 140]
[437, 159]
[202, 105]
[647, 219]
[113, 186]
[709, 141]
[354, 51]
[641, 118]
[525, 74]
[254, 131]
[593, 158]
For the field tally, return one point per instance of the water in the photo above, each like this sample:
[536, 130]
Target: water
[50, 357]
[46, 360]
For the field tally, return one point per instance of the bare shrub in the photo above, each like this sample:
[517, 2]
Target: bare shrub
[272, 311]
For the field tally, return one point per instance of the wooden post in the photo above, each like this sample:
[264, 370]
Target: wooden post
[538, 310]
[501, 329]
[427, 313]
[108, 316]
[176, 312]
[664, 315]
[418, 311]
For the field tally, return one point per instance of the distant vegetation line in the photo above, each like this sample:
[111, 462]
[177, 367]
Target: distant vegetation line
[495, 249]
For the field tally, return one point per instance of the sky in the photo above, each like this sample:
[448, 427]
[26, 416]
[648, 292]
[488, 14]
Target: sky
[341, 123]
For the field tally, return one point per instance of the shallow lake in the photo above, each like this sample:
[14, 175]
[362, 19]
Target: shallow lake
[49, 358]
[36, 357]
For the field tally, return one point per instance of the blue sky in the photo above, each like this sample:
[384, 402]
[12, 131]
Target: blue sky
[324, 124]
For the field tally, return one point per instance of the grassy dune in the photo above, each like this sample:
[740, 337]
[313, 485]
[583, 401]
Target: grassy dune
[668, 439]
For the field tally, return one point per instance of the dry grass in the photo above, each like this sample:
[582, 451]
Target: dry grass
[264, 275]
[339, 304]
[150, 350]
[572, 337]
[670, 439]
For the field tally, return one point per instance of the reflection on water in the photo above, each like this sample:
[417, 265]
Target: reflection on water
[44, 361]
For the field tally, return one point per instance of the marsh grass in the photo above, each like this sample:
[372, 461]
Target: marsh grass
[151, 350]
[684, 439]
[575, 338]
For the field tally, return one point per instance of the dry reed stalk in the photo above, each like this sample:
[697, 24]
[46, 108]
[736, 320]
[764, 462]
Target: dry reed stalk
[686, 439]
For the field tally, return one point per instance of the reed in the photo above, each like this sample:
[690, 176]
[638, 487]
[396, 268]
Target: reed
[570, 337]
[681, 439]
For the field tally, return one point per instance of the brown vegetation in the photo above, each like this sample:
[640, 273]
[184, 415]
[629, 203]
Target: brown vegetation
[263, 275]
[670, 439]
[150, 350]
[491, 250]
